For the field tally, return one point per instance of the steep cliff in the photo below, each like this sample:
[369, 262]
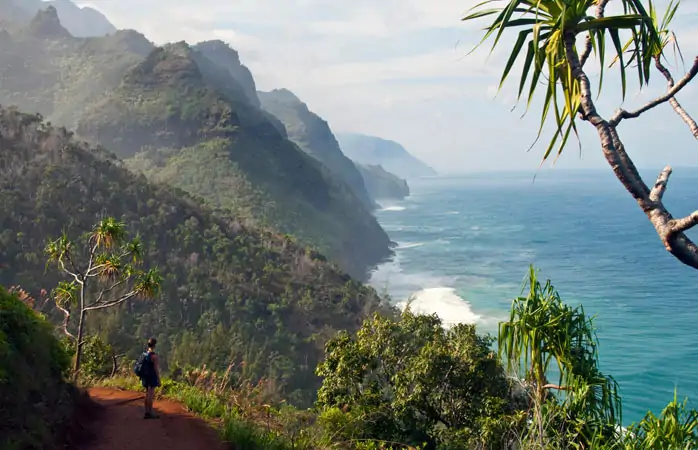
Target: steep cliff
[314, 136]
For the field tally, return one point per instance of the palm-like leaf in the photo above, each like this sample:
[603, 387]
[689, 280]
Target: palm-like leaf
[545, 28]
[108, 233]
[542, 330]
[110, 266]
[65, 294]
[676, 428]
[148, 283]
[57, 249]
[135, 249]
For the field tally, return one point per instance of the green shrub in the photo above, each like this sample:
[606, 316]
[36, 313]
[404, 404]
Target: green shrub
[36, 401]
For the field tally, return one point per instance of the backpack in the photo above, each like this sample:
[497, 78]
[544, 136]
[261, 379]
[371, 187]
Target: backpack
[142, 366]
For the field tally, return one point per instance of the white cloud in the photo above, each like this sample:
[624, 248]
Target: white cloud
[394, 68]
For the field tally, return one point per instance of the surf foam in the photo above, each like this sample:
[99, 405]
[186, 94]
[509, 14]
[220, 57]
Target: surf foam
[445, 303]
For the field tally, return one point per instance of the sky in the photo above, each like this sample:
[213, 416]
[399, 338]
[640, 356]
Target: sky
[400, 69]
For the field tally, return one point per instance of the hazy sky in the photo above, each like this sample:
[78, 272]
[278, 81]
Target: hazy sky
[397, 69]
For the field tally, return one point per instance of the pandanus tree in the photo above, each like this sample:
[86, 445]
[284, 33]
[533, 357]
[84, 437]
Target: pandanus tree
[551, 61]
[103, 272]
[542, 332]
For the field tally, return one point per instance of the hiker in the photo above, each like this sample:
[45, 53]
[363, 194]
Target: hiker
[148, 369]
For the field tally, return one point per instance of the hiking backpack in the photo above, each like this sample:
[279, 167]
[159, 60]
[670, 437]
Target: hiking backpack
[142, 366]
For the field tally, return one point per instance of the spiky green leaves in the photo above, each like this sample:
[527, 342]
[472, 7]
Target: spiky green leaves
[545, 29]
[108, 233]
[148, 283]
[110, 258]
[542, 330]
[66, 293]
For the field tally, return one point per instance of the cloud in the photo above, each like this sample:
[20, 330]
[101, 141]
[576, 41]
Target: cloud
[394, 68]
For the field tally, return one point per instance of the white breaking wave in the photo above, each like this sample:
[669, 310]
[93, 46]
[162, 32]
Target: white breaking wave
[393, 208]
[426, 293]
[445, 303]
[406, 245]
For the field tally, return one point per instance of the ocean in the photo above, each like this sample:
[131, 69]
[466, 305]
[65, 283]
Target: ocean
[465, 244]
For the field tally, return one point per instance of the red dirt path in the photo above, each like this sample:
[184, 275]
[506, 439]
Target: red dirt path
[120, 425]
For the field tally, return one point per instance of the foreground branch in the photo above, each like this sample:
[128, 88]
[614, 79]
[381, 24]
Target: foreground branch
[659, 188]
[623, 114]
[673, 102]
[112, 303]
[600, 11]
[66, 319]
[670, 230]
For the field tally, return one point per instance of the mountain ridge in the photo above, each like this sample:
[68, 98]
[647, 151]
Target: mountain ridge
[314, 136]
[392, 156]
[197, 108]
[79, 21]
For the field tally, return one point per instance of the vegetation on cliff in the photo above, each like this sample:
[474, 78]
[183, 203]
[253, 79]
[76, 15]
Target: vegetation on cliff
[313, 135]
[37, 403]
[406, 383]
[382, 184]
[229, 292]
[160, 107]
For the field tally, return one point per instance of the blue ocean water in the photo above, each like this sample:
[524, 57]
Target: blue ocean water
[465, 244]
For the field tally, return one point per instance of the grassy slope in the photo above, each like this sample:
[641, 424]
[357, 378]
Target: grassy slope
[231, 293]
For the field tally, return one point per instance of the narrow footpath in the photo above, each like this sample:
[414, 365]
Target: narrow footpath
[119, 425]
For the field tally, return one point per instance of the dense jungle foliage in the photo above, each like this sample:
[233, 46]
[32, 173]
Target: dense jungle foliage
[229, 292]
[37, 403]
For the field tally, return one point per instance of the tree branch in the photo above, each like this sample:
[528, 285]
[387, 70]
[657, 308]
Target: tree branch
[104, 291]
[556, 387]
[659, 188]
[669, 230]
[672, 101]
[69, 257]
[65, 269]
[623, 114]
[122, 299]
[600, 11]
[66, 319]
[686, 223]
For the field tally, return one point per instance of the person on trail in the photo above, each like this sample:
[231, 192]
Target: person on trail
[150, 377]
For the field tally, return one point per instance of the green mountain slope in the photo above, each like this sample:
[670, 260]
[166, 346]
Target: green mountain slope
[228, 59]
[181, 119]
[230, 292]
[313, 136]
[46, 70]
[160, 113]
[390, 155]
[382, 184]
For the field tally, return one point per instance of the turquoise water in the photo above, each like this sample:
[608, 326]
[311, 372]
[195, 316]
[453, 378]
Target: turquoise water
[465, 245]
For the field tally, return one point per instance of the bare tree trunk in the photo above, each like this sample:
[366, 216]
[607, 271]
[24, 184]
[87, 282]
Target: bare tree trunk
[115, 363]
[78, 348]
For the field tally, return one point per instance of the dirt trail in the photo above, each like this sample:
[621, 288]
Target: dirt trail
[119, 425]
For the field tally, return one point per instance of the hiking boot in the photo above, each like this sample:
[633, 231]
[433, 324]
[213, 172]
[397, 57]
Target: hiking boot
[151, 416]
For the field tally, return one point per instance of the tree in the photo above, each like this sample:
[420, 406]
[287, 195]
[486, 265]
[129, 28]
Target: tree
[108, 276]
[548, 29]
[408, 378]
[543, 330]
